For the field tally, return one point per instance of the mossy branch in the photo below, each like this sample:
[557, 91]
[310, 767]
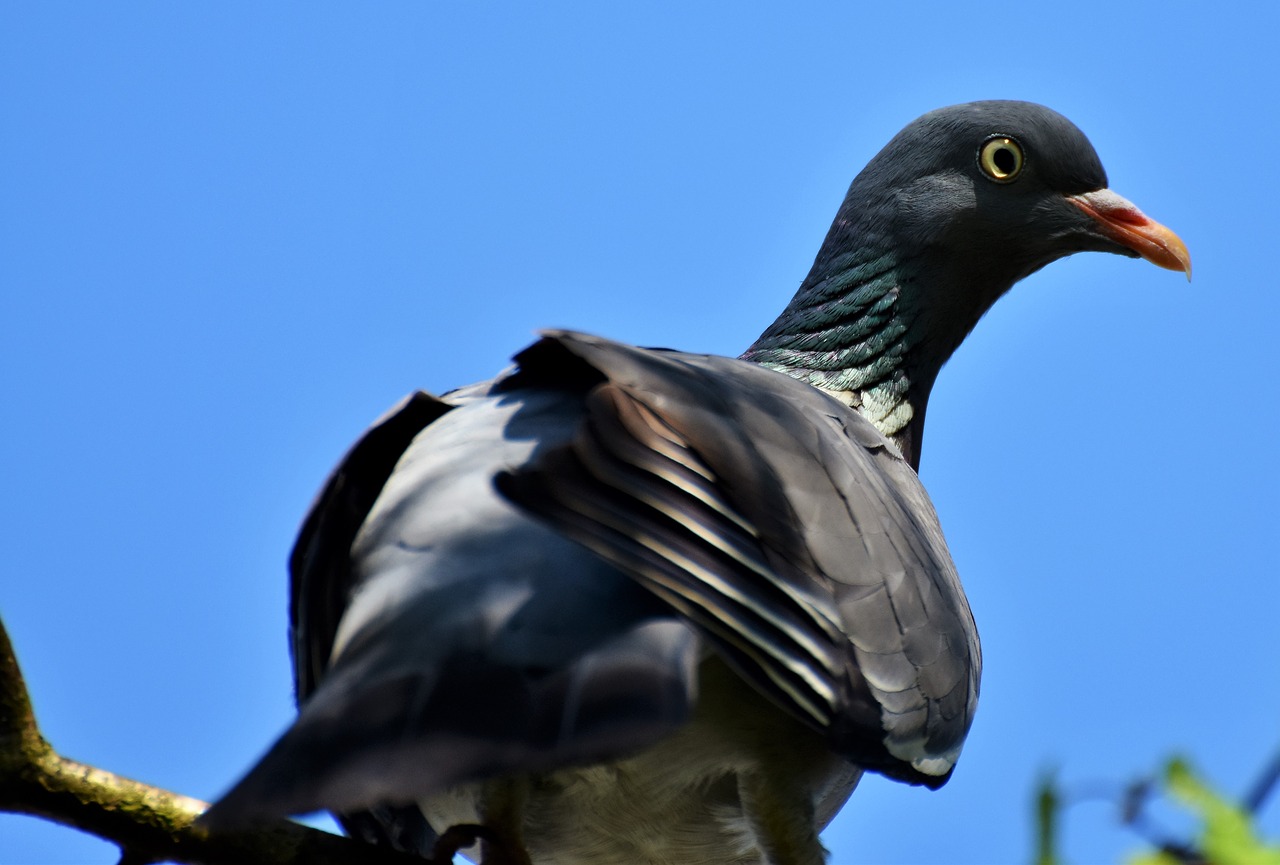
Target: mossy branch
[147, 823]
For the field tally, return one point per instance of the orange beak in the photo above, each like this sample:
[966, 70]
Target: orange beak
[1124, 223]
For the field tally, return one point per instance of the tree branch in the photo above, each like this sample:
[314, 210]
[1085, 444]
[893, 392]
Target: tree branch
[1263, 787]
[147, 823]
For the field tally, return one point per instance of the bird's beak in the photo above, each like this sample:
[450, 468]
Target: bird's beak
[1121, 221]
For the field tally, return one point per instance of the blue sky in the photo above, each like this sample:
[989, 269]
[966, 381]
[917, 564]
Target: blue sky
[232, 234]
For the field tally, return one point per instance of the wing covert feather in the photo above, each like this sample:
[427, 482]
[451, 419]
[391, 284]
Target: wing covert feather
[783, 525]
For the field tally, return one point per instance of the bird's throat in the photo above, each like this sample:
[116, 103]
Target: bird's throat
[850, 334]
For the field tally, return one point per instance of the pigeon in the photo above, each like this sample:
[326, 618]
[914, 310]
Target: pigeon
[633, 605]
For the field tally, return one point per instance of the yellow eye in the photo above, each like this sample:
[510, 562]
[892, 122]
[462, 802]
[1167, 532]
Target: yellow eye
[1000, 159]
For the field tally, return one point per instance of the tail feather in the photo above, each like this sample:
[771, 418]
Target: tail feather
[358, 743]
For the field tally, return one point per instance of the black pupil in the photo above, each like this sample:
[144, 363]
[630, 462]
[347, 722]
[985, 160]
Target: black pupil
[1004, 160]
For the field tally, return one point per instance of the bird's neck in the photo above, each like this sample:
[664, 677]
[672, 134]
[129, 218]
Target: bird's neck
[849, 332]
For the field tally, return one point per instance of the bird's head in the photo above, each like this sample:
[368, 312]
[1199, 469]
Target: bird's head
[972, 198]
[957, 207]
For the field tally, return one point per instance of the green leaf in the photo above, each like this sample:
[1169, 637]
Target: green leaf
[1156, 858]
[1228, 836]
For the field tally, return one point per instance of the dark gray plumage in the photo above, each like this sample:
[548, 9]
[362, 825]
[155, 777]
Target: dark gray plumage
[635, 605]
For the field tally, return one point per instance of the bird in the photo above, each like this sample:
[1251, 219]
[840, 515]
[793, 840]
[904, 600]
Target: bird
[637, 605]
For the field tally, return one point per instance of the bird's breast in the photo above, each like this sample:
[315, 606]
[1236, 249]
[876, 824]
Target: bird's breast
[679, 801]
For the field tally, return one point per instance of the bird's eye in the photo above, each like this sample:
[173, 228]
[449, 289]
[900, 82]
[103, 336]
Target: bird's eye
[1000, 159]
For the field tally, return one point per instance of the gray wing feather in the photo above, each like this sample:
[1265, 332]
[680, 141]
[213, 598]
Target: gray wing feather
[873, 610]
[320, 564]
[520, 576]
[471, 639]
